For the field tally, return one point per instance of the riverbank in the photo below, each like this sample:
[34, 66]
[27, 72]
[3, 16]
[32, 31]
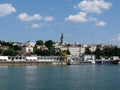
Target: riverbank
[29, 63]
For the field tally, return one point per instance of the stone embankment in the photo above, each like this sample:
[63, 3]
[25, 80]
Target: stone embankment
[29, 63]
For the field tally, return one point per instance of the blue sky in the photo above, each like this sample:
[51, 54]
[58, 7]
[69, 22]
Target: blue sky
[83, 21]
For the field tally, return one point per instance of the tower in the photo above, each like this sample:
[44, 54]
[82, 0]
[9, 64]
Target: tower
[62, 39]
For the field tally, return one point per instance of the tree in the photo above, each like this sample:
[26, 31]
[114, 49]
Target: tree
[16, 47]
[42, 52]
[67, 52]
[97, 53]
[10, 52]
[1, 51]
[38, 52]
[6, 43]
[49, 44]
[87, 51]
[39, 42]
[108, 52]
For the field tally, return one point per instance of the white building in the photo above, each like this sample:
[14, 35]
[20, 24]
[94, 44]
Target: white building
[88, 57]
[93, 48]
[28, 48]
[82, 49]
[63, 48]
[115, 58]
[3, 58]
[74, 50]
[30, 43]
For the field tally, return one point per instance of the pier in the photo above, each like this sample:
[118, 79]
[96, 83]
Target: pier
[107, 61]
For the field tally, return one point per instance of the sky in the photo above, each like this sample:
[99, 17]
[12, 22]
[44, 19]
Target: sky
[82, 21]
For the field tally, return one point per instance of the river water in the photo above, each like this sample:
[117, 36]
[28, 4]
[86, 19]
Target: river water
[73, 77]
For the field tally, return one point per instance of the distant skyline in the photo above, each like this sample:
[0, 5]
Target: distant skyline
[82, 21]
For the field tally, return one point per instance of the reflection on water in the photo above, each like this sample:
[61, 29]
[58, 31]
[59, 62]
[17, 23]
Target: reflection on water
[31, 77]
[76, 77]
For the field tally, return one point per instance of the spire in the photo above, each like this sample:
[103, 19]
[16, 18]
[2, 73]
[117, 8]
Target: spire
[62, 39]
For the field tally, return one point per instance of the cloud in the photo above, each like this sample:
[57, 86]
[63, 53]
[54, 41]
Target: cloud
[100, 23]
[83, 17]
[6, 9]
[48, 18]
[26, 17]
[80, 17]
[35, 25]
[35, 17]
[117, 38]
[86, 8]
[94, 6]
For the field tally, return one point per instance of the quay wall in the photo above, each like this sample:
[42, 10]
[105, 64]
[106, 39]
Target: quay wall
[29, 63]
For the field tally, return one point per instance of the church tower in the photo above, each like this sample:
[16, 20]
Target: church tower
[62, 39]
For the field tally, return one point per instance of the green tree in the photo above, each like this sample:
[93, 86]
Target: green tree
[10, 52]
[49, 44]
[116, 51]
[42, 52]
[87, 51]
[108, 52]
[38, 52]
[67, 52]
[97, 53]
[39, 42]
[6, 43]
[16, 47]
[1, 51]
[58, 53]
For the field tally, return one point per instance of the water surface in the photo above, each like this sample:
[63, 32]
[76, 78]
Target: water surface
[73, 77]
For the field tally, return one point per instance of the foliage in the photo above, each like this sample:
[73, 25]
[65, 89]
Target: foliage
[87, 51]
[97, 53]
[67, 52]
[107, 52]
[6, 43]
[42, 52]
[10, 52]
[49, 44]
[39, 42]
[16, 48]
[1, 51]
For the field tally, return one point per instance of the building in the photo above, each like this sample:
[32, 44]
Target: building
[63, 48]
[3, 47]
[28, 48]
[88, 57]
[29, 43]
[93, 48]
[74, 50]
[44, 47]
[82, 50]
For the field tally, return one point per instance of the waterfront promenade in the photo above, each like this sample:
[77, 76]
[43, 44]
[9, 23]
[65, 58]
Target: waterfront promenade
[31, 60]
[48, 60]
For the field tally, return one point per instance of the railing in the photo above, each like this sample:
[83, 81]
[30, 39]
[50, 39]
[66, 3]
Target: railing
[32, 58]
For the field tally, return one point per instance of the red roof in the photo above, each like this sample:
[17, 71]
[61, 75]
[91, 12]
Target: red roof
[4, 47]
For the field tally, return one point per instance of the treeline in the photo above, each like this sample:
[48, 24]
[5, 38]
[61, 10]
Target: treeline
[14, 49]
[51, 51]
[106, 52]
